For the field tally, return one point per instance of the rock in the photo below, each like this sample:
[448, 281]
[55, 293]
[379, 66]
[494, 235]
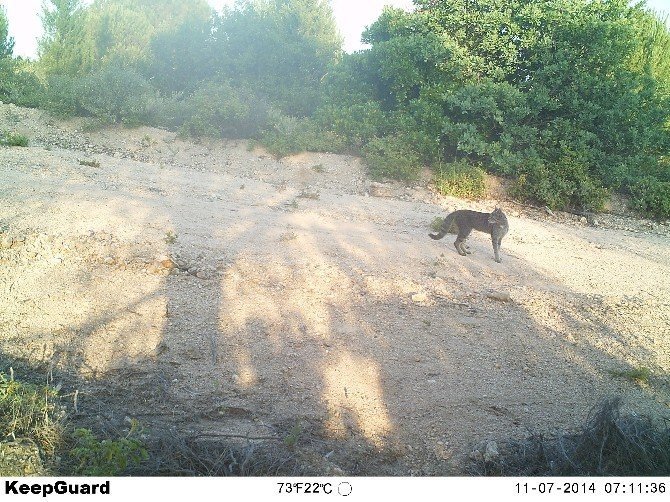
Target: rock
[491, 453]
[419, 297]
[6, 242]
[168, 264]
[500, 296]
[380, 190]
[109, 260]
[441, 451]
[583, 220]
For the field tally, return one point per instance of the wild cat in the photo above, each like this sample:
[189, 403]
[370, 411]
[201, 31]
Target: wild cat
[495, 224]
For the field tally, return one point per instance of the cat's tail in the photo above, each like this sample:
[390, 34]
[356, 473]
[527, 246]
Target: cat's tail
[444, 229]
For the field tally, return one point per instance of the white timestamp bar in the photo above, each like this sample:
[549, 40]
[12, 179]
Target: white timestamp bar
[335, 488]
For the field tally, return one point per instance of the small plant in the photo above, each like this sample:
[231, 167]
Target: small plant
[170, 237]
[288, 236]
[460, 179]
[13, 139]
[89, 163]
[293, 436]
[30, 411]
[318, 168]
[304, 194]
[638, 375]
[109, 457]
[146, 141]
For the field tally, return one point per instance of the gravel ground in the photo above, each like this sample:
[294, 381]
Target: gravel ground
[210, 288]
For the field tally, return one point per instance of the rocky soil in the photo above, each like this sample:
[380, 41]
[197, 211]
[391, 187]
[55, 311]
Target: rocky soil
[211, 288]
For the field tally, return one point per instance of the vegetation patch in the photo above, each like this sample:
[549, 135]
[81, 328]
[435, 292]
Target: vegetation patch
[12, 139]
[460, 179]
[608, 444]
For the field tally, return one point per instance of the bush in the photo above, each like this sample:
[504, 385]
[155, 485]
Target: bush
[18, 84]
[356, 123]
[31, 411]
[32, 415]
[60, 96]
[288, 135]
[565, 185]
[107, 457]
[392, 157]
[220, 110]
[460, 179]
[114, 94]
[609, 444]
[13, 139]
[651, 197]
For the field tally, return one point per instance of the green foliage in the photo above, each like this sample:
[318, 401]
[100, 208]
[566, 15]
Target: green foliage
[19, 84]
[460, 179]
[60, 96]
[220, 110]
[569, 97]
[392, 157]
[281, 49]
[111, 94]
[288, 135]
[638, 375]
[79, 38]
[355, 123]
[181, 57]
[115, 94]
[565, 184]
[652, 197]
[6, 42]
[12, 139]
[107, 457]
[32, 414]
[436, 224]
[30, 411]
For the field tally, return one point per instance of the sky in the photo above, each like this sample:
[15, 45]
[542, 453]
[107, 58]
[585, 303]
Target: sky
[352, 16]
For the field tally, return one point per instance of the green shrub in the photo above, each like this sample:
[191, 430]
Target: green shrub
[288, 135]
[107, 457]
[114, 94]
[566, 184]
[60, 96]
[392, 157]
[220, 110]
[18, 84]
[460, 179]
[357, 123]
[13, 139]
[30, 411]
[652, 197]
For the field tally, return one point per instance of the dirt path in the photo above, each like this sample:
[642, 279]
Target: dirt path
[208, 287]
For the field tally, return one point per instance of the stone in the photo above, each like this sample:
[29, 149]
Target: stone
[499, 296]
[491, 453]
[419, 297]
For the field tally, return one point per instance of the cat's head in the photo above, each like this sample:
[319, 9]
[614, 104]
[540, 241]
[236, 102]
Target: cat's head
[496, 216]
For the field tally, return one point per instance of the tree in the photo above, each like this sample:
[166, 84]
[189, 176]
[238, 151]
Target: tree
[280, 48]
[6, 42]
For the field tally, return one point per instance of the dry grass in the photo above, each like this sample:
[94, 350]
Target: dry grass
[609, 444]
